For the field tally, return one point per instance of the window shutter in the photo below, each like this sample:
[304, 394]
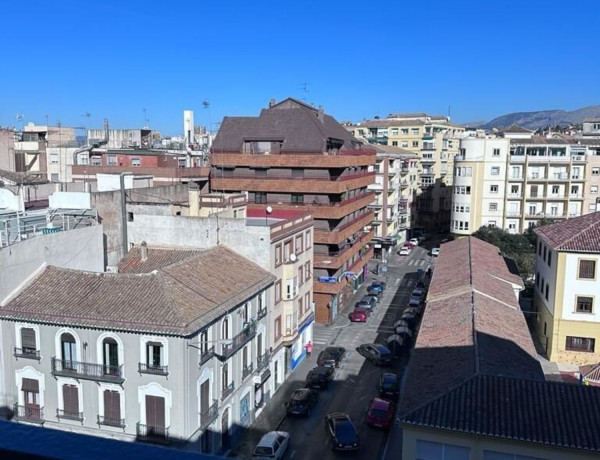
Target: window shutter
[30, 385]
[70, 399]
[28, 338]
[112, 405]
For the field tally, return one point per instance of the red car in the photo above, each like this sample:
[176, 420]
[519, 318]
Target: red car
[359, 315]
[381, 413]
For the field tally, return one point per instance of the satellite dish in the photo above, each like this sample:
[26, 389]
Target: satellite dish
[269, 209]
[293, 257]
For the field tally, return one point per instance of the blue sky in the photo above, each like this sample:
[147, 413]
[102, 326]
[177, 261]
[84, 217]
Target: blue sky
[113, 58]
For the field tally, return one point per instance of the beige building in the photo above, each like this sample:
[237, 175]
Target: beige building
[435, 140]
[514, 183]
[567, 289]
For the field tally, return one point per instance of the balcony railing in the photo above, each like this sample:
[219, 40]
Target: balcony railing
[29, 413]
[263, 361]
[246, 371]
[87, 371]
[60, 413]
[150, 433]
[209, 415]
[144, 368]
[261, 313]
[238, 341]
[109, 421]
[227, 391]
[206, 355]
[29, 353]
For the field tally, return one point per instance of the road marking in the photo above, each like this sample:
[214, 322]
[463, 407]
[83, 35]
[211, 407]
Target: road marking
[319, 343]
[397, 282]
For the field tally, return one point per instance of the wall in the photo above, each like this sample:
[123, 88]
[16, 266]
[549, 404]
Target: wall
[79, 249]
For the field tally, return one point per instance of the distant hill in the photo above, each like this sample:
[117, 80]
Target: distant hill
[535, 120]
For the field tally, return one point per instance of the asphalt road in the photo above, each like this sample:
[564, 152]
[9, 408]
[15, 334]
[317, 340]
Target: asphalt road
[355, 381]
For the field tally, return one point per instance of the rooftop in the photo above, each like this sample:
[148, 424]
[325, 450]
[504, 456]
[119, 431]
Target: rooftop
[578, 234]
[176, 298]
[548, 413]
[472, 325]
[516, 129]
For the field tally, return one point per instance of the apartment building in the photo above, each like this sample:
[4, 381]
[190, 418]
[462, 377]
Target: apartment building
[294, 157]
[567, 290]
[281, 243]
[435, 140]
[395, 187]
[167, 351]
[513, 183]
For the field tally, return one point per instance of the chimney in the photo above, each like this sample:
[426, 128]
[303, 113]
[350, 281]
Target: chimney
[271, 103]
[321, 114]
[144, 251]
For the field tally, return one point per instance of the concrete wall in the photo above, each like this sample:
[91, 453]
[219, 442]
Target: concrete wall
[79, 249]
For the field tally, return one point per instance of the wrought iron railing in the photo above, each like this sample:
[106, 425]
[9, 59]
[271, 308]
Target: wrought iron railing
[206, 355]
[238, 341]
[227, 391]
[88, 371]
[29, 413]
[152, 433]
[263, 361]
[29, 353]
[144, 368]
[261, 313]
[246, 371]
[61, 413]
[110, 421]
[209, 415]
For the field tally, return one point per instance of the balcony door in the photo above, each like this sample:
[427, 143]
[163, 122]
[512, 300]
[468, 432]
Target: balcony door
[112, 408]
[68, 348]
[70, 401]
[110, 356]
[31, 398]
[155, 415]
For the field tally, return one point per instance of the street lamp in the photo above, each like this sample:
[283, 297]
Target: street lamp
[268, 210]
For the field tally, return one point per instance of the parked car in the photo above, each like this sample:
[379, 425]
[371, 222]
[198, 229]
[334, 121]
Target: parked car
[377, 353]
[381, 413]
[272, 445]
[414, 241]
[435, 252]
[378, 285]
[408, 245]
[413, 310]
[409, 319]
[376, 295]
[372, 300]
[418, 294]
[404, 251]
[359, 315]
[420, 285]
[389, 386]
[366, 304]
[319, 378]
[302, 401]
[331, 356]
[341, 431]
[414, 303]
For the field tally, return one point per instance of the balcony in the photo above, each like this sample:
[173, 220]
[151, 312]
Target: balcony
[261, 313]
[513, 214]
[428, 158]
[109, 421]
[31, 414]
[514, 196]
[335, 259]
[403, 184]
[148, 433]
[536, 177]
[427, 172]
[262, 361]
[209, 415]
[206, 355]
[559, 176]
[144, 368]
[578, 158]
[87, 371]
[81, 172]
[340, 234]
[342, 160]
[238, 341]
[227, 391]
[247, 371]
[516, 177]
[68, 415]
[27, 353]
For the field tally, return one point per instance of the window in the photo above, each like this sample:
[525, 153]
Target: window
[491, 223]
[70, 403]
[404, 144]
[291, 288]
[540, 248]
[587, 269]
[225, 376]
[300, 275]
[307, 305]
[112, 409]
[415, 131]
[54, 158]
[260, 197]
[574, 189]
[97, 161]
[395, 143]
[580, 344]
[394, 131]
[492, 455]
[493, 206]
[28, 342]
[495, 170]
[204, 344]
[136, 162]
[54, 177]
[31, 398]
[110, 356]
[277, 328]
[544, 254]
[154, 355]
[514, 189]
[496, 153]
[493, 189]
[297, 198]
[300, 306]
[68, 348]
[111, 160]
[594, 189]
[549, 258]
[405, 131]
[428, 450]
[308, 240]
[595, 171]
[278, 255]
[584, 304]
[299, 248]
[307, 271]
[537, 279]
[547, 289]
[415, 143]
[287, 250]
[278, 291]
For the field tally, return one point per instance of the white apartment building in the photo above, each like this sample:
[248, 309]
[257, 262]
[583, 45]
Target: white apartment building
[171, 350]
[513, 183]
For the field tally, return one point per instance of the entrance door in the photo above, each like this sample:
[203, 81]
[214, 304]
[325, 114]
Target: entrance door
[155, 415]
[31, 398]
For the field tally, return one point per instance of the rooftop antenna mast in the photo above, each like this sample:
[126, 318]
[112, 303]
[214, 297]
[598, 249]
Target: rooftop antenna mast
[206, 105]
[304, 88]
[145, 119]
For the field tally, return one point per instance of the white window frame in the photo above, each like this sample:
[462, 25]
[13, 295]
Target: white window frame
[155, 389]
[60, 381]
[100, 348]
[111, 387]
[495, 171]
[29, 372]
[58, 348]
[143, 349]
[36, 329]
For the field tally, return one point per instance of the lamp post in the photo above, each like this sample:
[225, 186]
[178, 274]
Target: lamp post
[268, 210]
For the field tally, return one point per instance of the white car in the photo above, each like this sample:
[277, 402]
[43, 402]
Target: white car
[435, 252]
[404, 251]
[272, 445]
[414, 241]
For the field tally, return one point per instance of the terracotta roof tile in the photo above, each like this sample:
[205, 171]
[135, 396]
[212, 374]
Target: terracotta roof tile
[175, 299]
[578, 234]
[156, 258]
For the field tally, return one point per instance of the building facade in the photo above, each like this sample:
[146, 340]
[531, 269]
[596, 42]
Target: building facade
[513, 183]
[294, 157]
[567, 289]
[170, 351]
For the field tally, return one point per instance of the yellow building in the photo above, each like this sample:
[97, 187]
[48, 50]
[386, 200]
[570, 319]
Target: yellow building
[567, 289]
[435, 140]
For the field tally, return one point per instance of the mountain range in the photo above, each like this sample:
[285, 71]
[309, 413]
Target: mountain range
[540, 119]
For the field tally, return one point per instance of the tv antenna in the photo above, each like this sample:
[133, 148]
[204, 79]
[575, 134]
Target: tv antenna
[146, 121]
[304, 88]
[20, 117]
[206, 105]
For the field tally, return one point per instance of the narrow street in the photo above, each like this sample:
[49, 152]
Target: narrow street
[355, 381]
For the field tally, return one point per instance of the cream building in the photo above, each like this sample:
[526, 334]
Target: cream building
[436, 141]
[567, 291]
[513, 183]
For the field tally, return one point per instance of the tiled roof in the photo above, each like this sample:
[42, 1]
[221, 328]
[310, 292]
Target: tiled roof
[472, 324]
[516, 129]
[177, 299]
[293, 123]
[591, 372]
[156, 258]
[578, 234]
[552, 414]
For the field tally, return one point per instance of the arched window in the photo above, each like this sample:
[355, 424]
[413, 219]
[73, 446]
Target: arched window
[68, 348]
[225, 328]
[110, 356]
